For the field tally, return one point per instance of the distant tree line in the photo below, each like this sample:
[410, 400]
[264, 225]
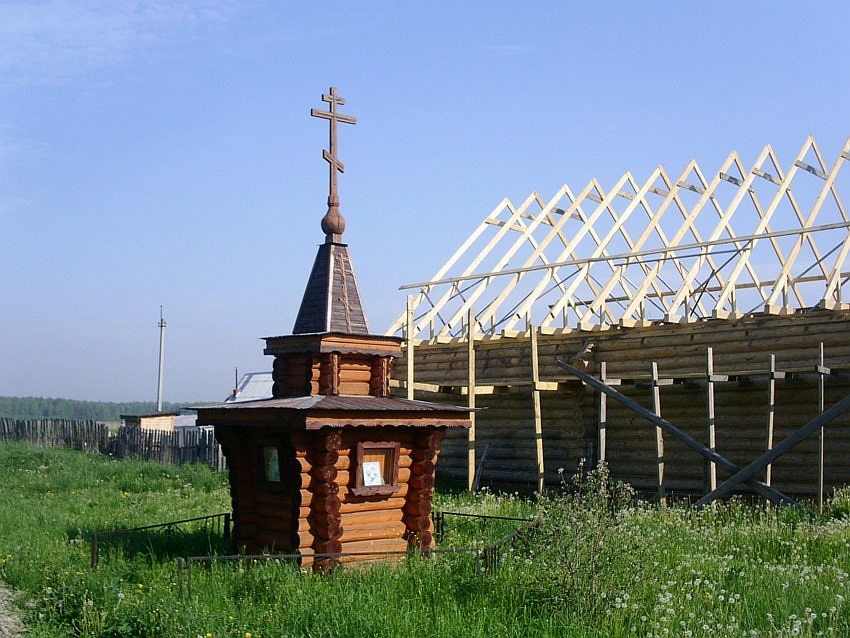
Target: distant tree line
[47, 408]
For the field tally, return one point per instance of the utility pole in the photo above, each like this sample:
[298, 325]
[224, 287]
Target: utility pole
[161, 360]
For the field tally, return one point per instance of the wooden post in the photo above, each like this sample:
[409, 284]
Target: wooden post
[771, 411]
[470, 398]
[822, 371]
[603, 413]
[538, 420]
[659, 435]
[409, 353]
[709, 386]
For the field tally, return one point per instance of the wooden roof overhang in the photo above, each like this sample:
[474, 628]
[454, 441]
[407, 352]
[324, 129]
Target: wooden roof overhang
[326, 342]
[314, 412]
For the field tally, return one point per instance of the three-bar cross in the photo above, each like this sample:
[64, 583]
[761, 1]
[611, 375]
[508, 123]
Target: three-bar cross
[331, 155]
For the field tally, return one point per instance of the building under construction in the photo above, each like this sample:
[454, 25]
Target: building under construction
[712, 299]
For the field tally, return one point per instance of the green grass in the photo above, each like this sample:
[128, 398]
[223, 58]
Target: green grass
[596, 565]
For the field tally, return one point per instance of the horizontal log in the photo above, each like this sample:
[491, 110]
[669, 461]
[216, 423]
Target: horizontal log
[277, 526]
[359, 505]
[345, 496]
[354, 387]
[393, 529]
[271, 497]
[269, 512]
[344, 462]
[357, 366]
[355, 519]
[354, 376]
[376, 545]
[377, 505]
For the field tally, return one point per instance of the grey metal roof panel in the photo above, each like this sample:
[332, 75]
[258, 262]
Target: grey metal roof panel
[252, 386]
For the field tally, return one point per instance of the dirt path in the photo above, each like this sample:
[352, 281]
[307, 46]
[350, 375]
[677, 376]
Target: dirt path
[10, 624]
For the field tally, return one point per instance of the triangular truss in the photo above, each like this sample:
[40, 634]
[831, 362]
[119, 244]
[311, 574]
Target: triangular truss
[674, 249]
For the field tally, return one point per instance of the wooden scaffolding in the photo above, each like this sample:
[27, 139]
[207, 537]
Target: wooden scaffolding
[726, 285]
[671, 249]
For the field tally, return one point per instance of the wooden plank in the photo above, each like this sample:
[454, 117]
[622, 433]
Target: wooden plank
[410, 347]
[712, 444]
[822, 371]
[771, 410]
[470, 399]
[538, 420]
[603, 414]
[659, 436]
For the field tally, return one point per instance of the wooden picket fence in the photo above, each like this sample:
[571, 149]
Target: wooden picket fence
[174, 448]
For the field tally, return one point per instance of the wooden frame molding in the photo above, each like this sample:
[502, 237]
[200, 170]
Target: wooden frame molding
[391, 486]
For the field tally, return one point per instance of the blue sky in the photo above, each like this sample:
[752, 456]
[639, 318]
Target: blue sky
[162, 153]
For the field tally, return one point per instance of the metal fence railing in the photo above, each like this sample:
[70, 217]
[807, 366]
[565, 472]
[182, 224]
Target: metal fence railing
[154, 538]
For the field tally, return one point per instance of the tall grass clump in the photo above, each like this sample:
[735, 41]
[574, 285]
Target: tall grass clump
[578, 547]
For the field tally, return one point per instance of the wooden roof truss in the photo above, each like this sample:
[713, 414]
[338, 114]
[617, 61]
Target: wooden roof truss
[674, 249]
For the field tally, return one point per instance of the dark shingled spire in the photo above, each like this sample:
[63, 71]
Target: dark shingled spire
[331, 301]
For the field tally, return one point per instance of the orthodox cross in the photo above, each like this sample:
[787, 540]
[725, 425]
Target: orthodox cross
[333, 223]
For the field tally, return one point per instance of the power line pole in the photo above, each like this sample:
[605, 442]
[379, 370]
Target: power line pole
[161, 360]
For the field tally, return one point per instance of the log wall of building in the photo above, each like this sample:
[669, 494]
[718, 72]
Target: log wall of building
[314, 508]
[570, 413]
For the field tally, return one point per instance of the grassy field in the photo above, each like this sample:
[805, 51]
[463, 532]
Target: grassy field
[597, 564]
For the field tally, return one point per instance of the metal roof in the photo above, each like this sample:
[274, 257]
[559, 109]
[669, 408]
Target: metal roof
[252, 386]
[340, 402]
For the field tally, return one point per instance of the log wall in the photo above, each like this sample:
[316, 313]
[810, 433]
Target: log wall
[570, 413]
[314, 509]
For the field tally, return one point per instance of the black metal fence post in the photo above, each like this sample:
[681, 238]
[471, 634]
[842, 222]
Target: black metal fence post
[180, 576]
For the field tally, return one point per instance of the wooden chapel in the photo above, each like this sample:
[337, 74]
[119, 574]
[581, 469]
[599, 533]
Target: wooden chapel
[332, 463]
